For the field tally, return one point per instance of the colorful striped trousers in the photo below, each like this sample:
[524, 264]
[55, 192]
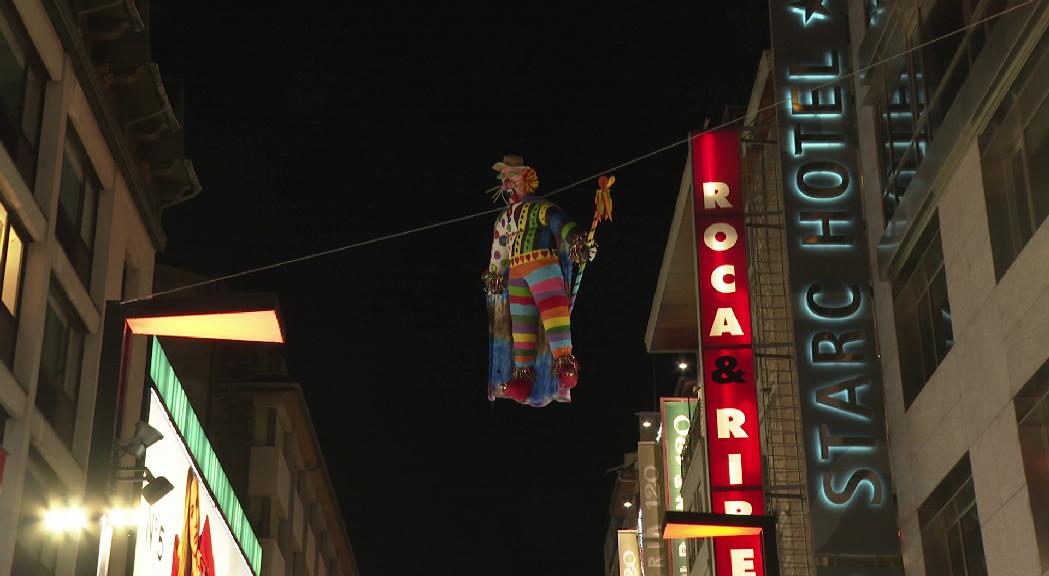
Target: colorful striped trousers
[538, 292]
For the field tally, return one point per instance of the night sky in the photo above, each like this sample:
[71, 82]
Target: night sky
[312, 127]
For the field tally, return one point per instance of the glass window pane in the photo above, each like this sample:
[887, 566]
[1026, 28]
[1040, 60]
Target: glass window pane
[1036, 139]
[925, 326]
[12, 72]
[71, 197]
[969, 526]
[941, 315]
[12, 273]
[1019, 202]
[56, 338]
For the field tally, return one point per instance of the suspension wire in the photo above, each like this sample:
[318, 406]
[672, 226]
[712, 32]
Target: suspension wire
[580, 181]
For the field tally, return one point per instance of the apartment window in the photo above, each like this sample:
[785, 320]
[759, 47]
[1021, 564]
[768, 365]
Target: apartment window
[923, 313]
[60, 361]
[920, 91]
[22, 82]
[1015, 158]
[11, 268]
[950, 526]
[77, 207]
[1032, 415]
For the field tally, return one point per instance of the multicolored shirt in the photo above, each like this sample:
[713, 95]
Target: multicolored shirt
[531, 225]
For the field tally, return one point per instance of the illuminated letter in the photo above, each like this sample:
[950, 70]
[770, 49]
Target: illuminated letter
[738, 508]
[816, 107]
[825, 237]
[837, 171]
[861, 475]
[710, 236]
[730, 423]
[850, 404]
[832, 311]
[725, 323]
[715, 195]
[717, 278]
[827, 442]
[837, 344]
[735, 469]
[815, 138]
[742, 561]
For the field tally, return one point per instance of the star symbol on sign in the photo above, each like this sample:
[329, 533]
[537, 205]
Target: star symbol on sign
[811, 7]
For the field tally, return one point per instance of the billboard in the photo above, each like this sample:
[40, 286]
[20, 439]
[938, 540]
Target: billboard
[650, 519]
[731, 407]
[629, 559]
[184, 534]
[847, 465]
[677, 419]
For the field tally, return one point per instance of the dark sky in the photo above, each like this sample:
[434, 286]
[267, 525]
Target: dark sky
[313, 127]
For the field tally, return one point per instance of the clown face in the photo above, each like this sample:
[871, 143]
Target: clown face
[518, 182]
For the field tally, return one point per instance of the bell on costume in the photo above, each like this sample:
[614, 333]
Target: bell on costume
[567, 370]
[520, 385]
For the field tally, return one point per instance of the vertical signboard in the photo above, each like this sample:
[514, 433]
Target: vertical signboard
[629, 557]
[850, 496]
[676, 419]
[650, 519]
[731, 411]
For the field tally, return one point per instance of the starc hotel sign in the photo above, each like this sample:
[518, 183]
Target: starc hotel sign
[731, 408]
[849, 486]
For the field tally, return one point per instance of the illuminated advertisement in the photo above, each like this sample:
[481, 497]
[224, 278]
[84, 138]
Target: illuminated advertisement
[653, 549]
[677, 419]
[185, 534]
[629, 558]
[731, 408]
[847, 467]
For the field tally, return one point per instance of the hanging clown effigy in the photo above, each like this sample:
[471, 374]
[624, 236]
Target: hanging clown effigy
[537, 259]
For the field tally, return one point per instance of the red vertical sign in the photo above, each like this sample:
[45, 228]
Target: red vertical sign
[733, 441]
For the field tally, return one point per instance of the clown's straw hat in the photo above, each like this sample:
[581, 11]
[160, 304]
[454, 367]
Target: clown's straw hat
[510, 163]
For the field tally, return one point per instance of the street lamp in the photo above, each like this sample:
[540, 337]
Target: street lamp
[687, 525]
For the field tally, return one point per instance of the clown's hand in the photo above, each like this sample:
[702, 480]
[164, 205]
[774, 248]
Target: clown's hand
[493, 282]
[592, 252]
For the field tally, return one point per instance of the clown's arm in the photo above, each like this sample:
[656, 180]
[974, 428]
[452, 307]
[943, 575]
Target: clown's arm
[566, 231]
[494, 278]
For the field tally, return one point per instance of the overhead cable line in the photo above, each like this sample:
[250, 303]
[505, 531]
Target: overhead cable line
[581, 181]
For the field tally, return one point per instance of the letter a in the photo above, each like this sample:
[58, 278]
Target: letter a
[725, 323]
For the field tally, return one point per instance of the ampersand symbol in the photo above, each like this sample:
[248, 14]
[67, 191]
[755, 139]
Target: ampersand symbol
[726, 372]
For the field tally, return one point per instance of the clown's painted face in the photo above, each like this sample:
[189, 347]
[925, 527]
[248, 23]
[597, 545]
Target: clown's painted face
[519, 182]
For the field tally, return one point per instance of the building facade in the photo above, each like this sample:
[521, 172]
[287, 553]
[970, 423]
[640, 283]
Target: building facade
[898, 256]
[952, 142]
[92, 151]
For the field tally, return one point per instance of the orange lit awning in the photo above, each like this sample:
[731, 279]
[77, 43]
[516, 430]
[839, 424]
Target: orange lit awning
[258, 326]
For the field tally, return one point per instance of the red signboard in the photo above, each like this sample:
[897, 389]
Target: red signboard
[733, 439]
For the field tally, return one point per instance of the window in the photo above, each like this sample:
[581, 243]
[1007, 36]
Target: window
[1015, 157]
[1032, 415]
[22, 82]
[77, 207]
[919, 93]
[923, 313]
[951, 541]
[11, 268]
[60, 361]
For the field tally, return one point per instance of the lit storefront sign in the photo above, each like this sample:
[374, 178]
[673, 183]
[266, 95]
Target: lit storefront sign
[653, 549]
[731, 412]
[850, 495]
[200, 521]
[676, 418]
[629, 556]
